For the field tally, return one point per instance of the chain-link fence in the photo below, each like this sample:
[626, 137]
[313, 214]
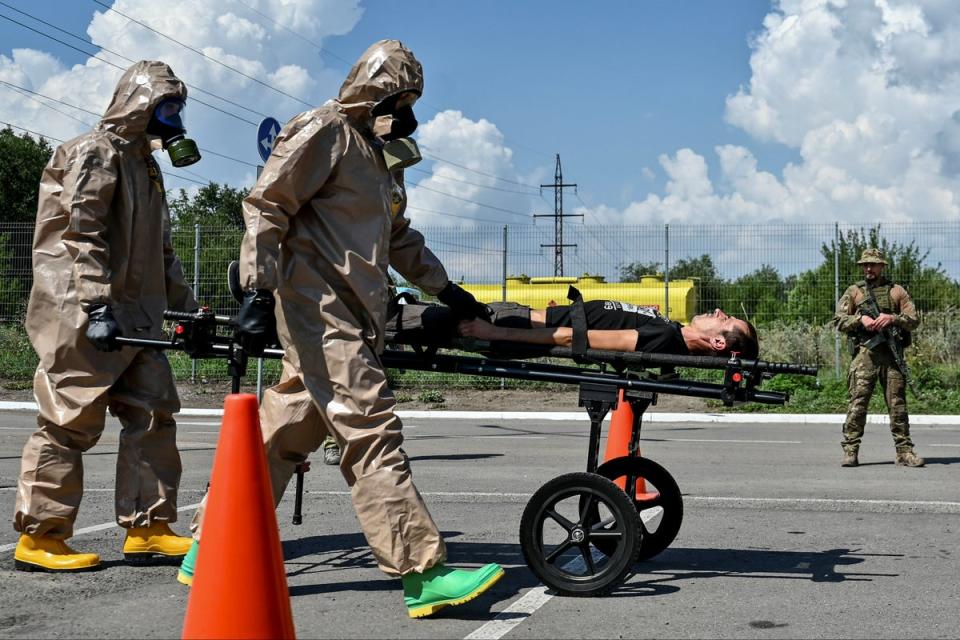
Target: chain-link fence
[784, 278]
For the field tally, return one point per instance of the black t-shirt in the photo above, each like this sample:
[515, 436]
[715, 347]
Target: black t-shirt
[654, 334]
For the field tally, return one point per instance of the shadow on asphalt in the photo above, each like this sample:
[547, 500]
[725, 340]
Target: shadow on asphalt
[656, 577]
[889, 463]
[458, 456]
[316, 555]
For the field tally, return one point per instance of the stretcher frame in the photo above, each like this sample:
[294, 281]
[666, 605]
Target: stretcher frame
[623, 538]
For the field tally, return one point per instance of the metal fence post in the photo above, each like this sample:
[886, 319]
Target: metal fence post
[504, 263]
[196, 287]
[666, 271]
[503, 381]
[836, 296]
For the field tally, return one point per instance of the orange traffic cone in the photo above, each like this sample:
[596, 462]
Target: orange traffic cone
[618, 442]
[240, 585]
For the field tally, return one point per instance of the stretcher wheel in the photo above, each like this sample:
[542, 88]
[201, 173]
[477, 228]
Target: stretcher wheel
[659, 502]
[564, 524]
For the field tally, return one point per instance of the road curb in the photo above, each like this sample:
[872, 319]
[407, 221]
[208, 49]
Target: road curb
[567, 416]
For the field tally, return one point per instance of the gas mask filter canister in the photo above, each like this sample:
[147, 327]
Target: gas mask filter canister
[167, 124]
[401, 153]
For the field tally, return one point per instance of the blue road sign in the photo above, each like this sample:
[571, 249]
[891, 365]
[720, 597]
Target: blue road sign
[267, 132]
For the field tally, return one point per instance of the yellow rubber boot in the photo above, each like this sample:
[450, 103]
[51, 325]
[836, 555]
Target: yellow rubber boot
[41, 553]
[156, 542]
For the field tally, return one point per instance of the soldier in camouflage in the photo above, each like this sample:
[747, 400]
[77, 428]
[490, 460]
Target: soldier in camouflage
[869, 364]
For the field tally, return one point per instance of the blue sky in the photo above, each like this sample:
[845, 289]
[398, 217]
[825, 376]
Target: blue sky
[687, 112]
[608, 87]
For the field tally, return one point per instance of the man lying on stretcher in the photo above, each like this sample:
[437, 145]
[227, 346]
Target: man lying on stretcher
[611, 325]
[617, 326]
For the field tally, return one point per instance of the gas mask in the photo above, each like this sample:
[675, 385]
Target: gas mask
[402, 125]
[394, 125]
[167, 124]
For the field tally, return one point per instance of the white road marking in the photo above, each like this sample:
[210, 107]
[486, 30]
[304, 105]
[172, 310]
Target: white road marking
[528, 604]
[477, 436]
[723, 441]
[93, 529]
[518, 612]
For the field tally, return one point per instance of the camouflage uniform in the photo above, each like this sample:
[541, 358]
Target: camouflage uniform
[869, 365]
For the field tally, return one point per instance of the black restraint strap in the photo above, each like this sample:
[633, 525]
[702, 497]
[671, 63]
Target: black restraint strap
[578, 321]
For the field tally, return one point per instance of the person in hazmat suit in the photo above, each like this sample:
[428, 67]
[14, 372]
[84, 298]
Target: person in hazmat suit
[104, 267]
[324, 222]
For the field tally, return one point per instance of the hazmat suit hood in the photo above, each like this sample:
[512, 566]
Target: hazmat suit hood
[385, 69]
[141, 88]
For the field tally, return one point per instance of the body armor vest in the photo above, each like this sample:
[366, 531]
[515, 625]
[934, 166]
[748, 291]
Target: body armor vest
[881, 293]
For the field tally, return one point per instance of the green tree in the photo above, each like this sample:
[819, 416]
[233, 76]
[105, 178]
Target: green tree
[709, 283]
[812, 298]
[633, 271]
[22, 159]
[758, 296]
[213, 215]
[701, 270]
[213, 205]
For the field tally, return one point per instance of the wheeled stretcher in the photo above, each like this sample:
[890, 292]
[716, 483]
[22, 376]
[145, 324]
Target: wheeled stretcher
[580, 533]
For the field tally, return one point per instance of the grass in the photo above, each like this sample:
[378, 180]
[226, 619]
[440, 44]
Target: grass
[934, 360]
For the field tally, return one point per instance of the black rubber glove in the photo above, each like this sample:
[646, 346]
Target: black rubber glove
[255, 324]
[462, 302]
[102, 328]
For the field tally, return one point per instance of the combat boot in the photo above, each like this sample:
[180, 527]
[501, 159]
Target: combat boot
[850, 458]
[907, 458]
[331, 451]
[42, 553]
[440, 586]
[156, 542]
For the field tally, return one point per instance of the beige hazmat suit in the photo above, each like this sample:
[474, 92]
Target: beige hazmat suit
[103, 237]
[324, 222]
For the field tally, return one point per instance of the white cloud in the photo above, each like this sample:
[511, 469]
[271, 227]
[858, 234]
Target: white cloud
[223, 29]
[453, 193]
[865, 90]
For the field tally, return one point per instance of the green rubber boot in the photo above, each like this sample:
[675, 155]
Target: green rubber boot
[185, 574]
[440, 586]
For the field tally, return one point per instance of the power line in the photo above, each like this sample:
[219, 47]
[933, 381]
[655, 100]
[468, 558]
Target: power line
[202, 54]
[166, 173]
[39, 135]
[129, 60]
[73, 106]
[453, 215]
[433, 156]
[323, 50]
[204, 91]
[474, 184]
[479, 204]
[26, 94]
[66, 104]
[299, 35]
[116, 66]
[590, 214]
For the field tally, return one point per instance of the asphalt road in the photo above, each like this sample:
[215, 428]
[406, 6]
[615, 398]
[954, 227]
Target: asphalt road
[777, 540]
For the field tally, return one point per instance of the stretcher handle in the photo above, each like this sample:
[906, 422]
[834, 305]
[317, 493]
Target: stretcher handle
[192, 316]
[715, 362]
[666, 359]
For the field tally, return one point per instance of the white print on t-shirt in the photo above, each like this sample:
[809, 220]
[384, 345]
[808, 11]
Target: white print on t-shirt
[613, 305]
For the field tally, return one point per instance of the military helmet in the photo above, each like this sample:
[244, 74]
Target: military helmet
[871, 256]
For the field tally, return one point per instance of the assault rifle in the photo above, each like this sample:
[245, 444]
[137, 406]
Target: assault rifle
[891, 336]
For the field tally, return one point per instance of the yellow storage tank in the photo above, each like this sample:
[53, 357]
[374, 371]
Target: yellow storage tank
[542, 292]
